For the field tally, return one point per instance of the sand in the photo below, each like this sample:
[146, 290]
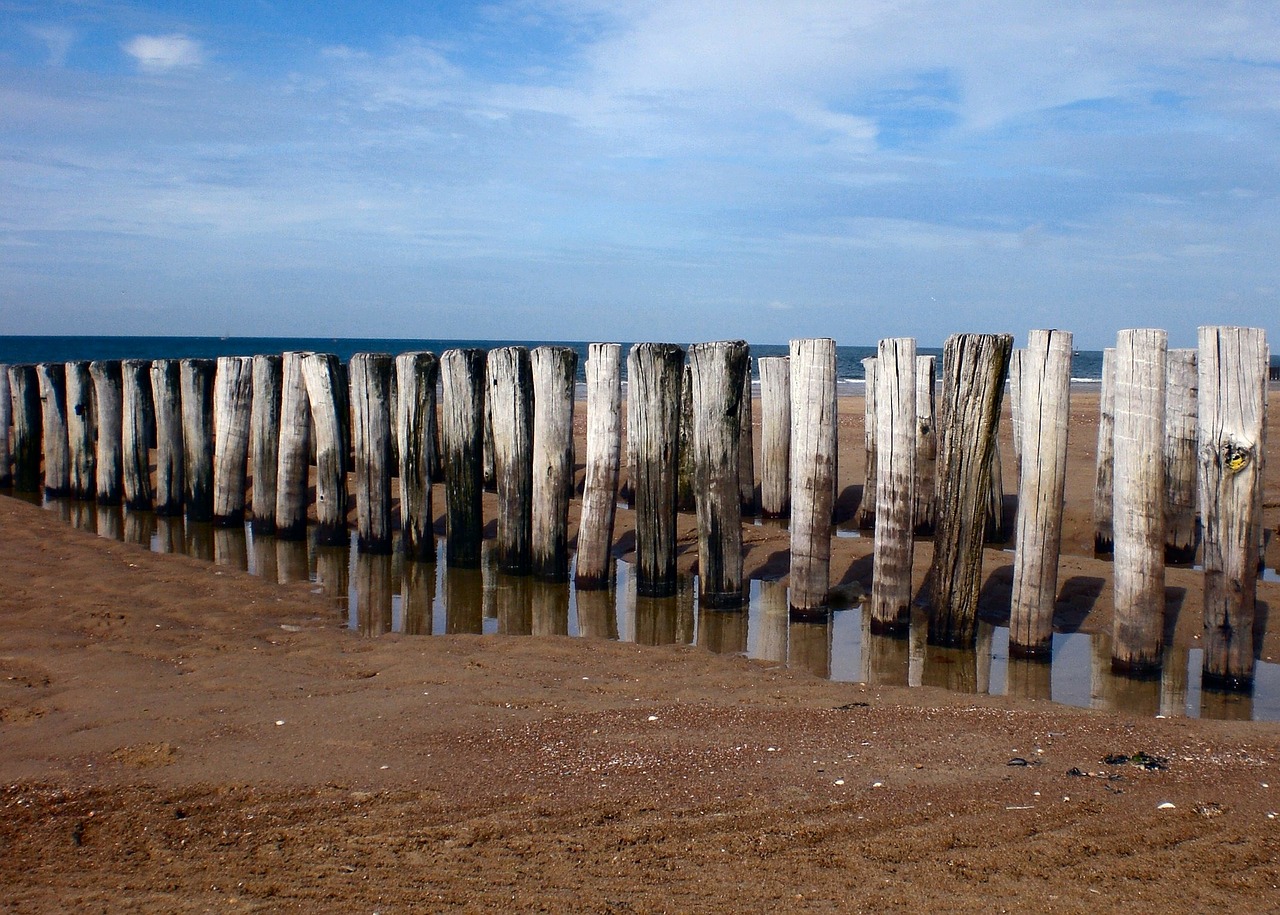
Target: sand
[180, 737]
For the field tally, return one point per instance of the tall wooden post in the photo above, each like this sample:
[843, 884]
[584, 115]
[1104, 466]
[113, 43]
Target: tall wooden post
[197, 377]
[53, 419]
[264, 441]
[866, 514]
[330, 413]
[594, 567]
[294, 450]
[417, 375]
[489, 468]
[685, 499]
[717, 373]
[462, 441]
[775, 436]
[1137, 639]
[1015, 406]
[555, 373]
[137, 418]
[813, 449]
[1180, 456]
[82, 431]
[509, 375]
[746, 446]
[1104, 485]
[24, 388]
[997, 529]
[974, 367]
[923, 512]
[232, 414]
[371, 402]
[895, 485]
[108, 396]
[166, 392]
[1232, 373]
[1045, 386]
[654, 372]
[6, 421]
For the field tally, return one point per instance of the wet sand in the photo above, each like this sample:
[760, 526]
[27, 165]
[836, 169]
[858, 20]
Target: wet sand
[180, 737]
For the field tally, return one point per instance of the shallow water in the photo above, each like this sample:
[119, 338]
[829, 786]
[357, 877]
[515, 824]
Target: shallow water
[378, 594]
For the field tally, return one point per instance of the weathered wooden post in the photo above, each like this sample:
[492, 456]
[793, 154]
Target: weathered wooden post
[1232, 427]
[53, 420]
[813, 448]
[974, 367]
[997, 529]
[371, 400]
[718, 370]
[196, 380]
[6, 421]
[24, 388]
[775, 436]
[232, 413]
[462, 440]
[594, 567]
[555, 372]
[330, 411]
[866, 514]
[1015, 406]
[1045, 386]
[896, 430]
[746, 446]
[137, 419]
[82, 431]
[264, 441]
[654, 372]
[685, 499]
[1104, 485]
[1137, 637]
[294, 450]
[509, 403]
[417, 375]
[1180, 456]
[108, 396]
[923, 511]
[166, 391]
[490, 467]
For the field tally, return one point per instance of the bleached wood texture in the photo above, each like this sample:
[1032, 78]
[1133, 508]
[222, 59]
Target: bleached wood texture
[6, 421]
[974, 367]
[654, 374]
[746, 445]
[232, 416]
[594, 566]
[1181, 458]
[327, 393]
[1045, 393]
[1104, 479]
[24, 391]
[775, 436]
[717, 376]
[371, 408]
[1137, 637]
[82, 431]
[137, 424]
[685, 499]
[294, 450]
[924, 510]
[264, 440]
[509, 379]
[555, 374]
[866, 513]
[196, 380]
[896, 431]
[1232, 375]
[462, 441]
[813, 449]
[108, 398]
[53, 422]
[417, 375]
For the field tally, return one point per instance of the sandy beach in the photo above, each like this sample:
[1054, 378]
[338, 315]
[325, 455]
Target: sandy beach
[182, 737]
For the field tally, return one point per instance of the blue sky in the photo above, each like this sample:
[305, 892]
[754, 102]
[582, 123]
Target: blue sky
[582, 169]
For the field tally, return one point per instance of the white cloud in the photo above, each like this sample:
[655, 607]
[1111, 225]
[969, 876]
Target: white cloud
[58, 39]
[161, 53]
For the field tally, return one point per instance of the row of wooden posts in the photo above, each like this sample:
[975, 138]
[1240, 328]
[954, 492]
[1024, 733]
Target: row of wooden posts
[507, 416]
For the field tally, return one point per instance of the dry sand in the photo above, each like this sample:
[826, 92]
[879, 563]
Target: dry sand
[179, 737]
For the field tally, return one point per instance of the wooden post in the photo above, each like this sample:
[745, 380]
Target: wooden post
[555, 372]
[490, 466]
[232, 413]
[974, 367]
[1232, 427]
[166, 392]
[1137, 638]
[1104, 485]
[594, 566]
[371, 400]
[717, 373]
[813, 448]
[746, 445]
[509, 404]
[1015, 406]
[196, 378]
[24, 389]
[654, 373]
[108, 396]
[896, 430]
[866, 514]
[923, 512]
[53, 419]
[82, 431]
[997, 530]
[294, 450]
[1045, 386]
[330, 410]
[264, 441]
[462, 440]
[137, 419]
[417, 375]
[1180, 456]
[686, 501]
[628, 493]
[775, 436]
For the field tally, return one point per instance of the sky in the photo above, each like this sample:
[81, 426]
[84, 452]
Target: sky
[623, 170]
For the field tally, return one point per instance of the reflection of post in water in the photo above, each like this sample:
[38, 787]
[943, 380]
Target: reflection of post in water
[374, 590]
[1118, 692]
[264, 557]
[1173, 683]
[771, 636]
[84, 517]
[550, 606]
[512, 603]
[333, 573]
[170, 537]
[655, 620]
[1029, 678]
[885, 659]
[110, 522]
[810, 644]
[597, 613]
[291, 561]
[489, 577]
[231, 547]
[955, 669]
[722, 631]
[686, 618]
[463, 595]
[1226, 706]
[199, 540]
[138, 527]
[417, 596]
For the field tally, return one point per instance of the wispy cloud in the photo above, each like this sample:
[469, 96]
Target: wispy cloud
[57, 39]
[160, 53]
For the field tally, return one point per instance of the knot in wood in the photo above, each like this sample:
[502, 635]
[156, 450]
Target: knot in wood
[1235, 457]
